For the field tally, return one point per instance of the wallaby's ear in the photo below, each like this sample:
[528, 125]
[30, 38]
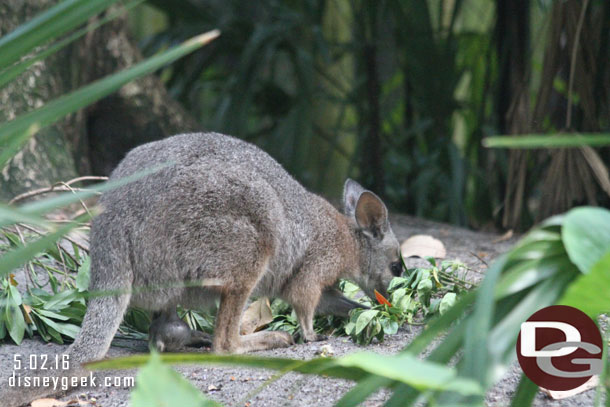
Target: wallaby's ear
[351, 193]
[371, 214]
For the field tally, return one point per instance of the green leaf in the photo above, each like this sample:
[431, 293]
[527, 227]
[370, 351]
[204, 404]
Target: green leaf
[349, 328]
[14, 294]
[158, 385]
[405, 368]
[52, 23]
[362, 390]
[503, 336]
[535, 250]
[389, 327]
[476, 355]
[530, 272]
[320, 366]
[61, 299]
[590, 292]
[51, 314]
[52, 333]
[398, 295]
[2, 327]
[434, 306]
[83, 276]
[424, 286]
[15, 133]
[586, 236]
[526, 391]
[447, 302]
[12, 315]
[70, 330]
[364, 319]
[548, 140]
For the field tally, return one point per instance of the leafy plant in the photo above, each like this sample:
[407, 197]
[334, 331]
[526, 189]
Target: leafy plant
[364, 325]
[198, 320]
[409, 296]
[285, 319]
[54, 316]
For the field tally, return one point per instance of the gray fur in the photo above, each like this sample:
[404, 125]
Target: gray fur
[168, 333]
[226, 218]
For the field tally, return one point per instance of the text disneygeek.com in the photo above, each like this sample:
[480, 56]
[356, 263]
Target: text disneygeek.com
[55, 364]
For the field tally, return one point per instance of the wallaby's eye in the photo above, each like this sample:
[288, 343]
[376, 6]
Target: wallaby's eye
[396, 268]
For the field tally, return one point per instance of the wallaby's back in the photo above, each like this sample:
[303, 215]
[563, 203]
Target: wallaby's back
[209, 177]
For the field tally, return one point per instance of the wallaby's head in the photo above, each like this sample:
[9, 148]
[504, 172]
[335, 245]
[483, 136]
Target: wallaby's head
[378, 248]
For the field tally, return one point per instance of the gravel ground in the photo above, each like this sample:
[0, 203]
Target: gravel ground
[242, 387]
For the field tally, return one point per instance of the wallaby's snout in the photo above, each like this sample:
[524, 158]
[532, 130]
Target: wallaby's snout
[379, 251]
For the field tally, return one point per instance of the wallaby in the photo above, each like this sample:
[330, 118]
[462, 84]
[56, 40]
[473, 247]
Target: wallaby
[223, 220]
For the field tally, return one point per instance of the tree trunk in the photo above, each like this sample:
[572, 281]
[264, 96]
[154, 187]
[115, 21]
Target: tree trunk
[512, 34]
[93, 140]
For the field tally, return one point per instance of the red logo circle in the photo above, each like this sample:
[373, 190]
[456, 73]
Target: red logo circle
[559, 348]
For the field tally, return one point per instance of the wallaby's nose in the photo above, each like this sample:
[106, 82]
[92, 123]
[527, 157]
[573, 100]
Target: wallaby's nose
[396, 268]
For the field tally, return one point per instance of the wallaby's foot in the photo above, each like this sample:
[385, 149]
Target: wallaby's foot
[264, 340]
[315, 338]
[312, 337]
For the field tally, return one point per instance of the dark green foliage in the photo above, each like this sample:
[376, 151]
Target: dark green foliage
[398, 94]
[370, 87]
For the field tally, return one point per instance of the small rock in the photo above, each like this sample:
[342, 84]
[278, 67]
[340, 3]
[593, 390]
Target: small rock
[211, 388]
[325, 351]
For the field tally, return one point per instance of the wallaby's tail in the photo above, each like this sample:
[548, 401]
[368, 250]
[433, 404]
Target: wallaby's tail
[104, 314]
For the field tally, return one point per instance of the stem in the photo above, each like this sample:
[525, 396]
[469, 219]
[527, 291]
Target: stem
[581, 20]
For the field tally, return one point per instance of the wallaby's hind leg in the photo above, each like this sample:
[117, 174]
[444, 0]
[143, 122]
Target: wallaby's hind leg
[226, 335]
[233, 298]
[168, 333]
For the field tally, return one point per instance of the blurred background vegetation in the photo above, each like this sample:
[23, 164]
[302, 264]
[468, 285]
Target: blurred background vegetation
[398, 94]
